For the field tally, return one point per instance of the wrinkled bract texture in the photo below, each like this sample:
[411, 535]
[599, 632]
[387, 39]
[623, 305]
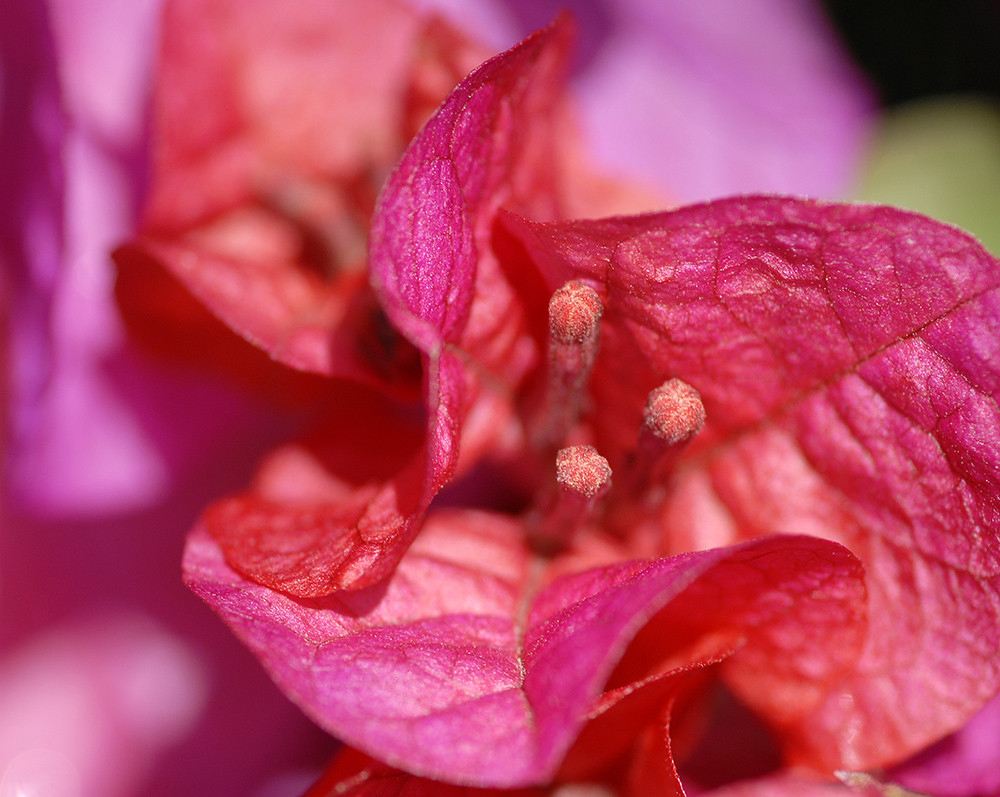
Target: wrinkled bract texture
[459, 669]
[847, 359]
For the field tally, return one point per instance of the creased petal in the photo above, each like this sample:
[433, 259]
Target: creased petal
[848, 360]
[322, 510]
[430, 232]
[270, 144]
[453, 669]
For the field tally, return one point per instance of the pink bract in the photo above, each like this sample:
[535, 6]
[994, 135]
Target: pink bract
[846, 357]
[461, 669]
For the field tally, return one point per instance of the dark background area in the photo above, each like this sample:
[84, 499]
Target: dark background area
[915, 48]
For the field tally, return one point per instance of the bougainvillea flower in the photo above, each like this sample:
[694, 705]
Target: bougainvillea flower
[748, 442]
[96, 430]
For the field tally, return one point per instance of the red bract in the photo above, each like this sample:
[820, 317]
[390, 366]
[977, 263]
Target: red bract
[270, 144]
[258, 220]
[749, 371]
[356, 542]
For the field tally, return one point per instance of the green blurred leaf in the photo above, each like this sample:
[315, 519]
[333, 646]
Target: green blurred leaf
[940, 157]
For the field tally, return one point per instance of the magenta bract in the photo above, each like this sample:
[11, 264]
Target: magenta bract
[456, 669]
[847, 358]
